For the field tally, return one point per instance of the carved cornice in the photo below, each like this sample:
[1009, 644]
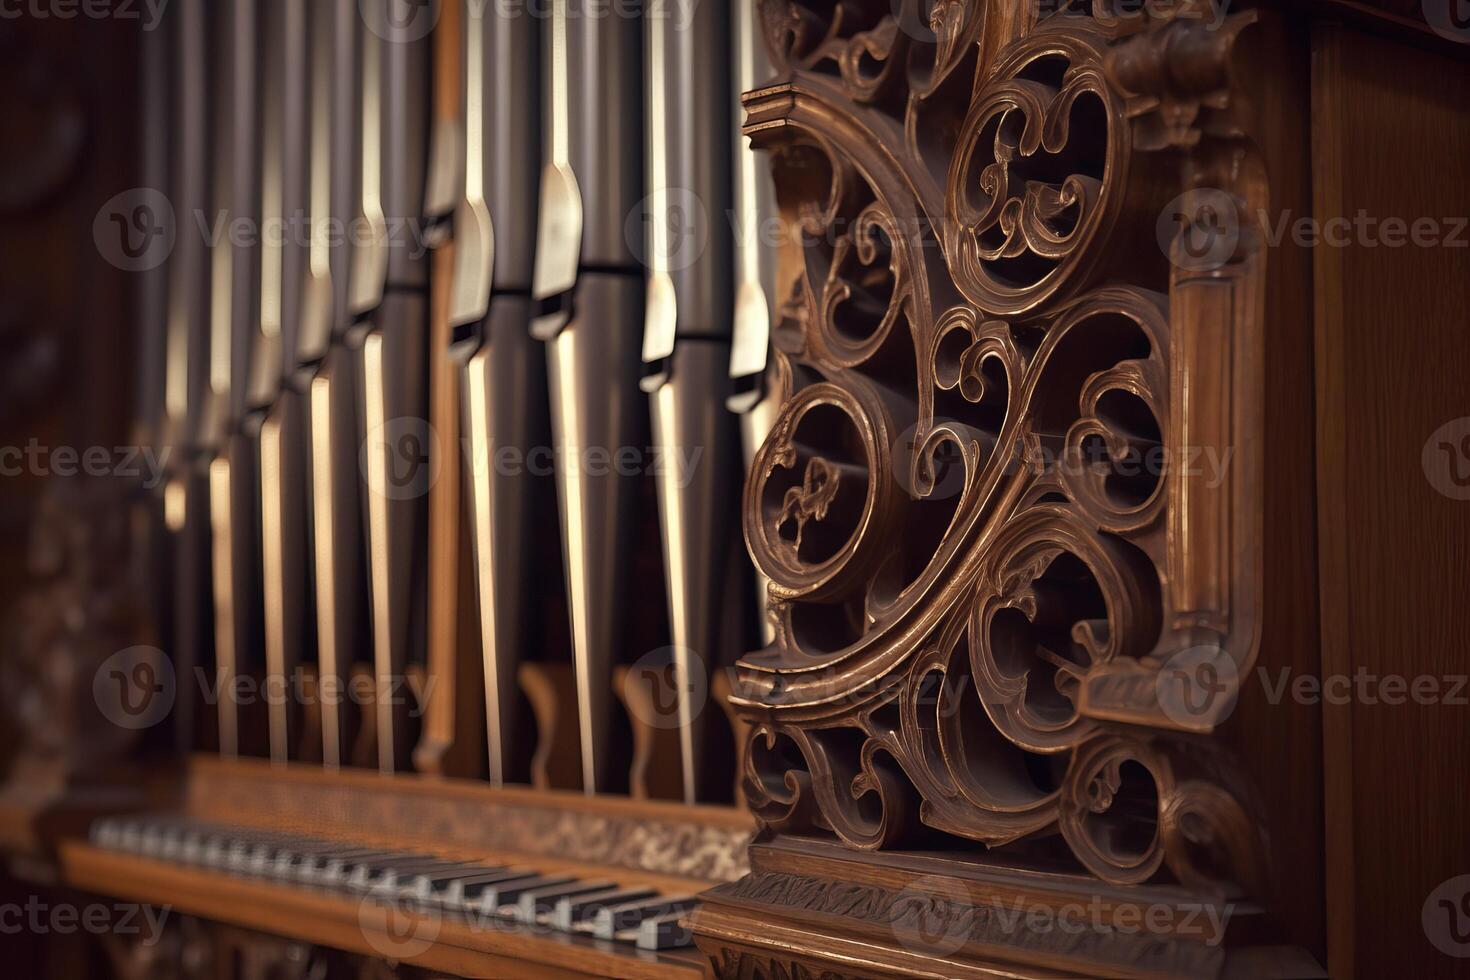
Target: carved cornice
[1009, 512]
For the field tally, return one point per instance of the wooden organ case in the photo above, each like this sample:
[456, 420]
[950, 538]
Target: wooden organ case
[1061, 447]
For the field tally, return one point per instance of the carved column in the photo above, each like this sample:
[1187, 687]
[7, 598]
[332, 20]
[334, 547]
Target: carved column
[1010, 511]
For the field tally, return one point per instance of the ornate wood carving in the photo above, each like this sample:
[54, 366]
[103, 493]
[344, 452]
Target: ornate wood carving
[1009, 511]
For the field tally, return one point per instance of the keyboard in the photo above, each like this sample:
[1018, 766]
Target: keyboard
[479, 895]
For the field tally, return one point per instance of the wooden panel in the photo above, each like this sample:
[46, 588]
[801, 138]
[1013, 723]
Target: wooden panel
[1391, 141]
[1283, 740]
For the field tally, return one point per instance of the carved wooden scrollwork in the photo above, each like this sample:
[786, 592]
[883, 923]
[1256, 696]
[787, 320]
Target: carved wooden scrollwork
[1009, 506]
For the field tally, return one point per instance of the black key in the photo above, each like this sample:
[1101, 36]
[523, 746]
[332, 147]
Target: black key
[433, 886]
[338, 870]
[388, 873]
[464, 892]
[500, 899]
[623, 921]
[571, 912]
[328, 867]
[533, 905]
[305, 861]
[662, 932]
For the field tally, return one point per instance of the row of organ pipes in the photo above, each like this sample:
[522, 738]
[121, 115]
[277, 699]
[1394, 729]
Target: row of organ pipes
[508, 233]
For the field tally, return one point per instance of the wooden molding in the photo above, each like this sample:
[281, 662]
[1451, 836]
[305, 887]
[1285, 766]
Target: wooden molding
[694, 844]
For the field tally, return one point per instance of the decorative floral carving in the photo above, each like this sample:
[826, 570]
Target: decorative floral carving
[970, 511]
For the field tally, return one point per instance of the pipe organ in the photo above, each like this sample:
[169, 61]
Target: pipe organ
[755, 488]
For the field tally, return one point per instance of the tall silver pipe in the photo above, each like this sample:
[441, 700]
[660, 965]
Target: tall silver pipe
[389, 297]
[278, 409]
[504, 367]
[588, 288]
[325, 365]
[234, 265]
[754, 398]
[686, 347]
